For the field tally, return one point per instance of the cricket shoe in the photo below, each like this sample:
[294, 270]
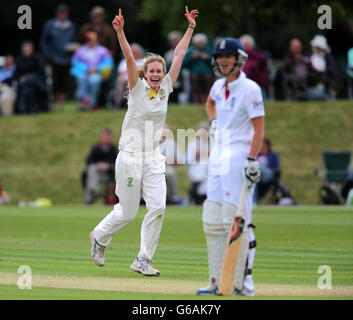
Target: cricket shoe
[144, 267]
[211, 290]
[97, 251]
[245, 292]
[248, 286]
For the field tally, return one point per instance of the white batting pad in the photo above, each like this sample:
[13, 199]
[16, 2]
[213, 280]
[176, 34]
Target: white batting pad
[216, 237]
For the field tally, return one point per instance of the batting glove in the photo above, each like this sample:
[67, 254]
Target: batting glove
[213, 128]
[252, 172]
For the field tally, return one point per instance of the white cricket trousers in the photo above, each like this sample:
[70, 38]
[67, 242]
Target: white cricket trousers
[226, 175]
[134, 172]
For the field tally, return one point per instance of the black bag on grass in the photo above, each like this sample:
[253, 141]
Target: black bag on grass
[328, 195]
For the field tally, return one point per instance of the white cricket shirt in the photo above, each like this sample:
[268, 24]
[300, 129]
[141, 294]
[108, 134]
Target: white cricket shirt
[235, 113]
[144, 121]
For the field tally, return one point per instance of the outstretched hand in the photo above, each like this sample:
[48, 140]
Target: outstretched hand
[118, 22]
[191, 16]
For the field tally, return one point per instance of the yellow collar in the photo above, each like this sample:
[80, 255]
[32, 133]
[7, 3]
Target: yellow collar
[152, 94]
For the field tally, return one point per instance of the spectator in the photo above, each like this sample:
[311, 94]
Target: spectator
[99, 166]
[169, 148]
[7, 70]
[105, 33]
[7, 93]
[255, 67]
[90, 64]
[4, 196]
[121, 83]
[32, 95]
[270, 171]
[197, 160]
[57, 42]
[350, 73]
[296, 70]
[321, 70]
[173, 39]
[198, 61]
[216, 40]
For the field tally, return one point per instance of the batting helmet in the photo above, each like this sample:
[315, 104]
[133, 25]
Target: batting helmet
[229, 46]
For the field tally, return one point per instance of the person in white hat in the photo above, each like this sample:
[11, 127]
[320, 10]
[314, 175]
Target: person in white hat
[320, 48]
[321, 70]
[320, 42]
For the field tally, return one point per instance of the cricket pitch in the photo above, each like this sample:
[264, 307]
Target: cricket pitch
[158, 285]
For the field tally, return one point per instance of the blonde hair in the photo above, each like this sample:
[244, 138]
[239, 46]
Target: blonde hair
[149, 58]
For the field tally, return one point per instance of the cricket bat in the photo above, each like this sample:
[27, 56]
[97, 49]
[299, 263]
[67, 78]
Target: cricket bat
[236, 252]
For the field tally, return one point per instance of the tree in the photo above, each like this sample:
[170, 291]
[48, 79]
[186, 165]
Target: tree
[272, 23]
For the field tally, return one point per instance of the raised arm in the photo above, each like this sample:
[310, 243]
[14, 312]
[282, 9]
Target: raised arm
[118, 25]
[181, 48]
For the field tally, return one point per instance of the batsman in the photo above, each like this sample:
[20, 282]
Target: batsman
[236, 112]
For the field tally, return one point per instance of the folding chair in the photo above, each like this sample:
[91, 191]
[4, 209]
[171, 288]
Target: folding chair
[336, 165]
[335, 174]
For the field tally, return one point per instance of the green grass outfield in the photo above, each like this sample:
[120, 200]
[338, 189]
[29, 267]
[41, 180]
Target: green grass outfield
[292, 244]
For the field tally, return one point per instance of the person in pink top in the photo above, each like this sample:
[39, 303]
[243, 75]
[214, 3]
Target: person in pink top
[90, 64]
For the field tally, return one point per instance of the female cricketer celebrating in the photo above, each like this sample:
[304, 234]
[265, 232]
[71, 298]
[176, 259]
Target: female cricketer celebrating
[139, 164]
[236, 112]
